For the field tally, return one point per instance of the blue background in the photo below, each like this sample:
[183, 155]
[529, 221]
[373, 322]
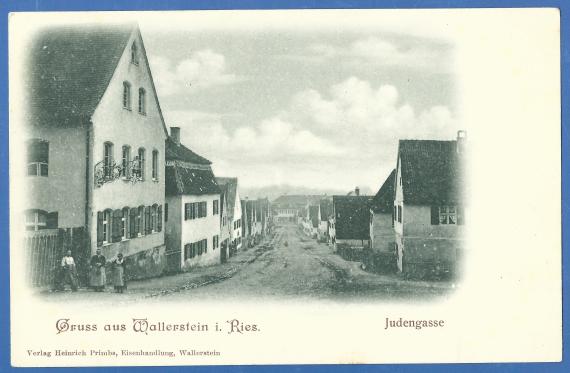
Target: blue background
[7, 6]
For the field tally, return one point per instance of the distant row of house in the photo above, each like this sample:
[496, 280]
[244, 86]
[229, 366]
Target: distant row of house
[414, 224]
[103, 172]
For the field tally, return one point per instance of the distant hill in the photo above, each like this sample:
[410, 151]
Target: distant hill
[274, 191]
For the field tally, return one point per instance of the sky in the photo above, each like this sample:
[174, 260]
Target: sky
[322, 107]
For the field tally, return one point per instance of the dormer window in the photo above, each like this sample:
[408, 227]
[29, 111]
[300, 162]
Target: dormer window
[134, 54]
[127, 95]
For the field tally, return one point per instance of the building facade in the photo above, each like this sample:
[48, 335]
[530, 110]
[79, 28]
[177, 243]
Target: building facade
[96, 143]
[193, 199]
[234, 210]
[429, 205]
[383, 255]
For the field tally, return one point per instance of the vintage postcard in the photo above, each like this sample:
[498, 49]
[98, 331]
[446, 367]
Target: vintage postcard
[285, 187]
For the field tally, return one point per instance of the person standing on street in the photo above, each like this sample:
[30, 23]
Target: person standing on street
[98, 278]
[69, 271]
[119, 274]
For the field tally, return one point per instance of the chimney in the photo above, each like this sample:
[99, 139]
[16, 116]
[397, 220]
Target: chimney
[461, 139]
[175, 135]
[357, 191]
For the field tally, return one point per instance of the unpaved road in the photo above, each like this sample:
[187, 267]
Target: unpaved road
[288, 265]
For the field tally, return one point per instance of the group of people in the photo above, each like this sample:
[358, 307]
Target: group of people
[97, 274]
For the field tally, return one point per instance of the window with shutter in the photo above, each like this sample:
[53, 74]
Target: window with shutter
[133, 229]
[140, 219]
[125, 223]
[434, 215]
[154, 218]
[52, 220]
[160, 218]
[36, 220]
[460, 215]
[100, 233]
[116, 231]
[147, 220]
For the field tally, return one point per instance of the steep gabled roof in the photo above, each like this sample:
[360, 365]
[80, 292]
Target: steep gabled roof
[432, 172]
[383, 201]
[70, 69]
[179, 152]
[352, 217]
[231, 183]
[190, 181]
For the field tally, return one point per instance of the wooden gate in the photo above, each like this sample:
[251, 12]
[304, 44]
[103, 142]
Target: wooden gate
[44, 250]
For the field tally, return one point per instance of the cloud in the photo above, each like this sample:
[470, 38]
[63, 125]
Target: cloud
[272, 138]
[368, 121]
[203, 69]
[345, 135]
[376, 51]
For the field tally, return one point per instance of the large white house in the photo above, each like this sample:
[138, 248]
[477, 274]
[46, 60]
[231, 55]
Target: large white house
[95, 144]
[193, 200]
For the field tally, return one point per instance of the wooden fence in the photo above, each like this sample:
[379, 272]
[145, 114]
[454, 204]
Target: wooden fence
[44, 250]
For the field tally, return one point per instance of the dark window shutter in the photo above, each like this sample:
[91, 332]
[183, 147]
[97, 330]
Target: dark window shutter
[147, 226]
[159, 219]
[460, 216]
[434, 215]
[100, 235]
[141, 220]
[51, 220]
[166, 212]
[116, 232]
[133, 222]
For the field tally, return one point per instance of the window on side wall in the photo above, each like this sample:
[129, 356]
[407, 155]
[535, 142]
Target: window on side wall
[155, 165]
[127, 95]
[125, 224]
[126, 161]
[108, 161]
[399, 214]
[134, 54]
[142, 101]
[107, 223]
[141, 164]
[216, 207]
[154, 218]
[36, 220]
[141, 220]
[37, 157]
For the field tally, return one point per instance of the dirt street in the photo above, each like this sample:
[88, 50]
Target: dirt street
[287, 265]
